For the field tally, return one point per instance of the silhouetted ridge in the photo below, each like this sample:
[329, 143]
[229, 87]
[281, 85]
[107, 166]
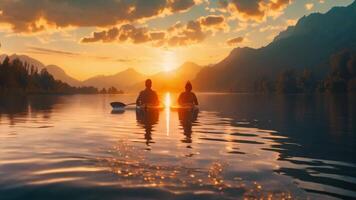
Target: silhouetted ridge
[60, 74]
[308, 45]
[172, 80]
[57, 72]
[122, 80]
[19, 78]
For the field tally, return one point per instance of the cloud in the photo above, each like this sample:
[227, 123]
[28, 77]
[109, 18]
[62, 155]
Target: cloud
[196, 31]
[278, 4]
[179, 34]
[47, 51]
[190, 34]
[127, 60]
[40, 50]
[235, 41]
[309, 6]
[37, 15]
[159, 35]
[256, 10]
[291, 22]
[212, 20]
[181, 5]
[125, 33]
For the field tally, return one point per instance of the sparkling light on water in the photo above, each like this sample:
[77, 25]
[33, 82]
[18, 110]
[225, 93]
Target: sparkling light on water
[68, 144]
[167, 105]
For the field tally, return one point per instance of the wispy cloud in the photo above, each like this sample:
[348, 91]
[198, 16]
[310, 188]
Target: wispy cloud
[47, 51]
[127, 60]
[235, 41]
[40, 50]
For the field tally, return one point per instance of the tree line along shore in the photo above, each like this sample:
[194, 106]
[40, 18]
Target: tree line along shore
[19, 78]
[340, 79]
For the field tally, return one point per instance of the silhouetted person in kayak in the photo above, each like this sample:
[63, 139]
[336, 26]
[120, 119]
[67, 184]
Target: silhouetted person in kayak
[188, 97]
[147, 96]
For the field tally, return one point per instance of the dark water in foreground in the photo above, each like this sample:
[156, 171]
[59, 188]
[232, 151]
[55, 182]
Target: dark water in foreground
[238, 146]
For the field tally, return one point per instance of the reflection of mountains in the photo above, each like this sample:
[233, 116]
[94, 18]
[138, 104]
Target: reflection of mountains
[16, 109]
[318, 133]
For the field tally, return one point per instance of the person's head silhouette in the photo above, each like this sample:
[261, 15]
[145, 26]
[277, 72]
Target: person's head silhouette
[148, 83]
[188, 87]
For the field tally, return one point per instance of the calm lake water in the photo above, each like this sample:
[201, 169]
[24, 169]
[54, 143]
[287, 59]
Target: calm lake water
[237, 146]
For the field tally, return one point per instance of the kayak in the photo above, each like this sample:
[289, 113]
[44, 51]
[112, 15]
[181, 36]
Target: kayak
[149, 107]
[118, 109]
[184, 108]
[117, 104]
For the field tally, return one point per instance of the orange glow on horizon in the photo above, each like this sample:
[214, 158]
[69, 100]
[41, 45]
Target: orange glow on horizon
[169, 61]
[167, 100]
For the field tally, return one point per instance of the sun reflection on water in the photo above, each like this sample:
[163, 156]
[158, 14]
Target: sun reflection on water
[222, 155]
[167, 100]
[167, 105]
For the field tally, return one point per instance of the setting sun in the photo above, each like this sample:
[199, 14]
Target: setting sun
[169, 61]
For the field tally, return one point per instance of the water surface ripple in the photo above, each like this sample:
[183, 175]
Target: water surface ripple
[238, 146]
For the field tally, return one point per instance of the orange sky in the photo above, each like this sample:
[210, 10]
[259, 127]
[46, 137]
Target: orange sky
[88, 38]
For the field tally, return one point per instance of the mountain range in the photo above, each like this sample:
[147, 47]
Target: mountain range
[128, 80]
[172, 80]
[121, 80]
[307, 45]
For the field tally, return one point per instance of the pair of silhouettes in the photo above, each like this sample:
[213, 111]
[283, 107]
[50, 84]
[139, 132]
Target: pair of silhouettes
[150, 97]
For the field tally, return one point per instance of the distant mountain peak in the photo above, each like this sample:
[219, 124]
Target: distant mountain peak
[130, 70]
[318, 22]
[241, 49]
[60, 74]
[25, 59]
[189, 63]
[54, 69]
[173, 80]
[353, 4]
[120, 80]
[187, 68]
